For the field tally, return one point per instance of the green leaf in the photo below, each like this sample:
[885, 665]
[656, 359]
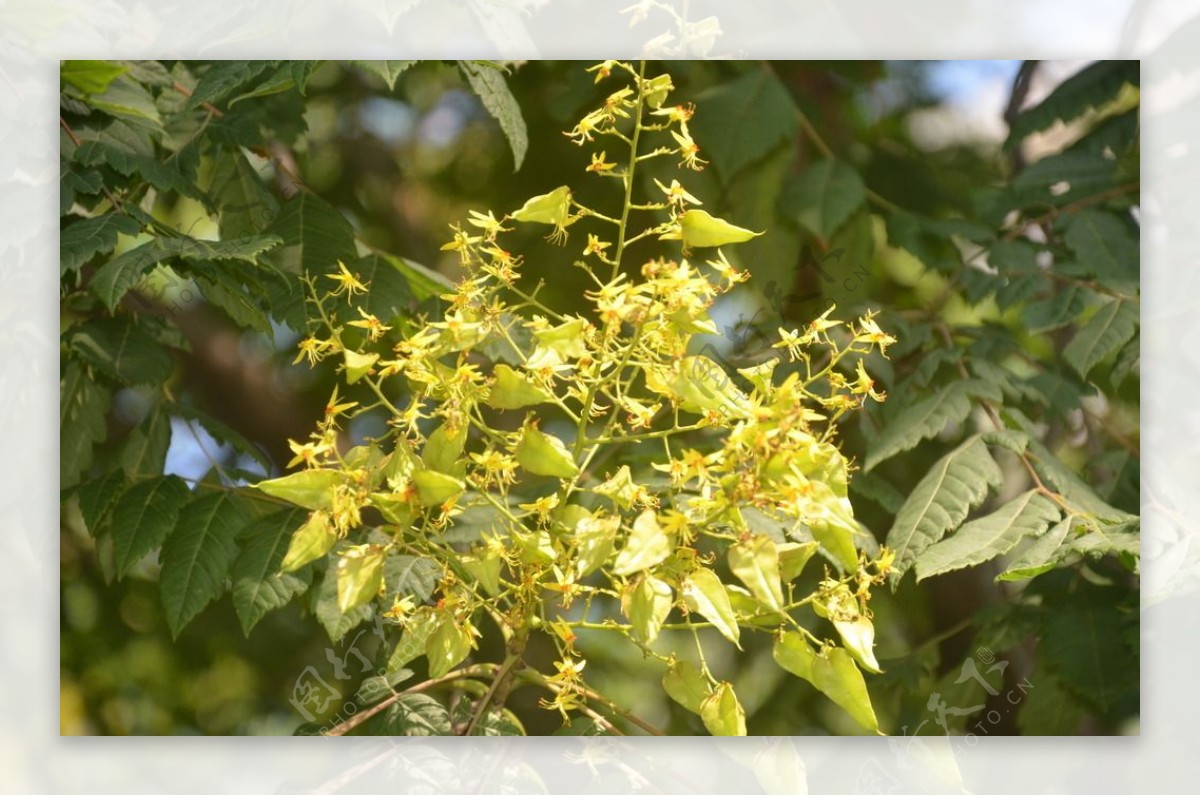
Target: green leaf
[444, 448]
[793, 556]
[513, 390]
[1066, 483]
[493, 92]
[197, 556]
[312, 489]
[1083, 637]
[987, 537]
[390, 71]
[1091, 87]
[376, 689]
[742, 120]
[121, 350]
[958, 482]
[258, 584]
[649, 604]
[448, 645]
[1105, 244]
[543, 454]
[1055, 312]
[417, 715]
[722, 713]
[704, 593]
[114, 279]
[421, 282]
[701, 386]
[686, 684]
[222, 432]
[1128, 360]
[648, 544]
[357, 365]
[91, 77]
[245, 204]
[145, 450]
[308, 542]
[227, 294]
[1048, 708]
[824, 197]
[1100, 540]
[1109, 329]
[927, 418]
[832, 672]
[315, 236]
[97, 498]
[755, 562]
[82, 407]
[858, 637]
[281, 80]
[411, 576]
[1041, 556]
[127, 99]
[129, 150]
[82, 240]
[222, 78]
[144, 517]
[359, 576]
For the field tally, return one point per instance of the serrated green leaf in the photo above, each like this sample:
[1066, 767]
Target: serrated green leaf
[121, 350]
[704, 593]
[1128, 360]
[144, 517]
[114, 279]
[1055, 312]
[1091, 87]
[198, 554]
[145, 450]
[1066, 483]
[987, 537]
[721, 712]
[958, 482]
[258, 584]
[493, 92]
[1041, 556]
[417, 715]
[376, 689]
[927, 418]
[1104, 243]
[245, 204]
[312, 489]
[97, 498]
[126, 98]
[359, 576]
[129, 151]
[1109, 329]
[222, 78]
[648, 606]
[411, 576]
[83, 406]
[91, 77]
[224, 292]
[824, 196]
[648, 544]
[742, 120]
[1083, 636]
[315, 236]
[755, 562]
[390, 71]
[82, 240]
[1116, 539]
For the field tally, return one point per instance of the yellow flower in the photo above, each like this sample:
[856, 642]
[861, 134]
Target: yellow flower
[599, 164]
[677, 113]
[308, 453]
[866, 385]
[488, 223]
[676, 194]
[375, 327]
[347, 282]
[869, 332]
[602, 70]
[542, 506]
[595, 246]
[313, 350]
[462, 244]
[689, 151]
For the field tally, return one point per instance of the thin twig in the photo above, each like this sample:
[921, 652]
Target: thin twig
[467, 673]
